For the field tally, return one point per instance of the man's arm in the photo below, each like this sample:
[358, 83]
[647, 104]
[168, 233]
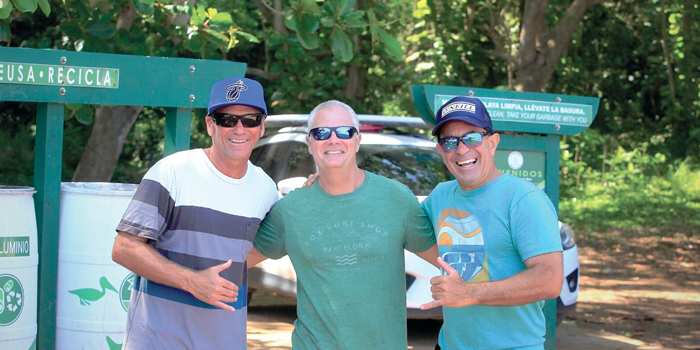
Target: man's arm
[255, 257]
[135, 254]
[541, 280]
[430, 255]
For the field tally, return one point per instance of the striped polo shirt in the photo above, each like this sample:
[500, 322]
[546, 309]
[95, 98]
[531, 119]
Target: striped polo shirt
[198, 217]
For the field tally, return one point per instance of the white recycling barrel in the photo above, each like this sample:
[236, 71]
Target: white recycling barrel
[93, 291]
[18, 268]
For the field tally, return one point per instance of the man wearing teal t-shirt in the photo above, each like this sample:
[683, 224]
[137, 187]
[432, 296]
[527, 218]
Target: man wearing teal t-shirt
[498, 239]
[346, 236]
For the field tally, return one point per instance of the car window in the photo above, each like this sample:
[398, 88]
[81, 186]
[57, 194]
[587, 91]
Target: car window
[272, 158]
[421, 169]
[284, 160]
[301, 163]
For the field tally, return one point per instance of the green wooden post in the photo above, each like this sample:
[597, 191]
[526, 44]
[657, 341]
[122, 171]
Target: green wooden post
[549, 146]
[48, 156]
[178, 129]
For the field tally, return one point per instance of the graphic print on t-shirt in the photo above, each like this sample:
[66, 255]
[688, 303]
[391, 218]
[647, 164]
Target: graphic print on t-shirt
[461, 245]
[347, 244]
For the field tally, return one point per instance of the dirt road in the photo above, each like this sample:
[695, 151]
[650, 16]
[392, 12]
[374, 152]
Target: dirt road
[269, 327]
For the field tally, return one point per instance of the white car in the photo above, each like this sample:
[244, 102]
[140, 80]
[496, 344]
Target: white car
[390, 149]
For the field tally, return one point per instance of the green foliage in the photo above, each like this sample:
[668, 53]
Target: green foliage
[16, 157]
[635, 168]
[82, 113]
[11, 9]
[142, 148]
[630, 190]
[17, 144]
[634, 84]
[332, 25]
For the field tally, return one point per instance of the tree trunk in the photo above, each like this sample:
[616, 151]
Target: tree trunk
[355, 85]
[667, 58]
[109, 131]
[540, 49]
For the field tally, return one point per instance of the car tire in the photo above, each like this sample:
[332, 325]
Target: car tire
[560, 317]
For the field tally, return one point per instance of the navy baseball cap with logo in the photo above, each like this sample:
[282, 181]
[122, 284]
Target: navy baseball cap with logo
[467, 109]
[236, 91]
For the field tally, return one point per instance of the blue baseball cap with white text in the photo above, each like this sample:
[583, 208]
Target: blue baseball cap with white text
[462, 108]
[236, 91]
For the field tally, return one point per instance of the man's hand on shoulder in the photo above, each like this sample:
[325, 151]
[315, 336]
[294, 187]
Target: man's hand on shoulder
[310, 180]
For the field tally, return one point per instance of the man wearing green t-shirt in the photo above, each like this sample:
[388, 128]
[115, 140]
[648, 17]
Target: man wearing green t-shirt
[346, 236]
[498, 240]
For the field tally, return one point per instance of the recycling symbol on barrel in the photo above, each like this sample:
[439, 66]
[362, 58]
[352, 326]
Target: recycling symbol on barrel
[125, 290]
[11, 299]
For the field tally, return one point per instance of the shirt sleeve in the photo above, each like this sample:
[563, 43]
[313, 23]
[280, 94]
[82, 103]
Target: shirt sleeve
[151, 207]
[419, 231]
[534, 225]
[270, 239]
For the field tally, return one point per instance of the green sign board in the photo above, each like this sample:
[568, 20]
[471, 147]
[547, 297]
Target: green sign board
[58, 75]
[538, 112]
[527, 165]
[514, 111]
[14, 246]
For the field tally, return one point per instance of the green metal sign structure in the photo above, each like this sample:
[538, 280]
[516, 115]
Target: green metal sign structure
[53, 78]
[524, 112]
[529, 124]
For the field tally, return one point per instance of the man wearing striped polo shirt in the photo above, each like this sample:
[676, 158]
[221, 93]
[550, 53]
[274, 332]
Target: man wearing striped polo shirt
[188, 230]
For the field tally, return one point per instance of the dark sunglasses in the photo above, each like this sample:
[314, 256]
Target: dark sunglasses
[471, 140]
[226, 120]
[324, 132]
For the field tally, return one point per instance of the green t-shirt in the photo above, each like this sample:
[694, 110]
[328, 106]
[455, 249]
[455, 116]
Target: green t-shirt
[348, 253]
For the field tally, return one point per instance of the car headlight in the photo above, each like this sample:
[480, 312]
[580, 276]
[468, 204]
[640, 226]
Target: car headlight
[567, 236]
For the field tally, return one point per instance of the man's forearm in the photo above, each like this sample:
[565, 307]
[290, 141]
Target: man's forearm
[531, 285]
[430, 255]
[541, 280]
[206, 285]
[255, 257]
[136, 255]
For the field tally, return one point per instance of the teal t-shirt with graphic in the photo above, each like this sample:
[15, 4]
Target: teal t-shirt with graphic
[348, 253]
[486, 235]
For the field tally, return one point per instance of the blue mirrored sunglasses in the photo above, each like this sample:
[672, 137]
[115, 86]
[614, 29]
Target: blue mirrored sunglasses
[471, 140]
[324, 132]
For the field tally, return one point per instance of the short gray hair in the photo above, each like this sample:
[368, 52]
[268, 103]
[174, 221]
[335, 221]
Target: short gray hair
[334, 103]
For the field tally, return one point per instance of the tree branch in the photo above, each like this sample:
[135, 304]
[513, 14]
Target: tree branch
[264, 3]
[533, 19]
[263, 74]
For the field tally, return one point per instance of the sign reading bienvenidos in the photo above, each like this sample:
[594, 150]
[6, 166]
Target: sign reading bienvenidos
[58, 75]
[539, 112]
[527, 165]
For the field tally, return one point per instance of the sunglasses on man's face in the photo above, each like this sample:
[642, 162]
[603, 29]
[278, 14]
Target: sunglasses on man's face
[226, 120]
[324, 132]
[470, 139]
